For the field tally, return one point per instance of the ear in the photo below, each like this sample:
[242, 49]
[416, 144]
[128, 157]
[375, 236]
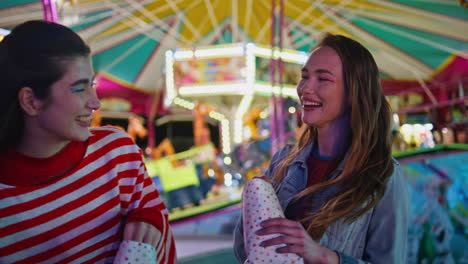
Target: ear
[30, 104]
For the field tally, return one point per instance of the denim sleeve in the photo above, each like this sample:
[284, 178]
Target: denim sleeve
[387, 234]
[239, 249]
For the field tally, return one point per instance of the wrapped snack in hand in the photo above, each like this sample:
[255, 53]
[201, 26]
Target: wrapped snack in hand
[132, 252]
[259, 202]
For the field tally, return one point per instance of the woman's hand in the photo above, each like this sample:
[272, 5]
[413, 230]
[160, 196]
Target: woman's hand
[297, 241]
[142, 232]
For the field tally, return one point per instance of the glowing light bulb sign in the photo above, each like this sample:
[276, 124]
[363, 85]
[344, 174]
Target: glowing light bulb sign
[239, 71]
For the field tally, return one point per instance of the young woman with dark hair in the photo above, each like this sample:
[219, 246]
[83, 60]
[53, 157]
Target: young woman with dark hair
[68, 193]
[344, 196]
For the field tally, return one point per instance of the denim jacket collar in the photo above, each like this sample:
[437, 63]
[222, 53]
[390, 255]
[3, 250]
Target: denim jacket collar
[306, 151]
[304, 154]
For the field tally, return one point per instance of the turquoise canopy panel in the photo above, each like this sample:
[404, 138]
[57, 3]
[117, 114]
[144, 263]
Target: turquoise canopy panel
[448, 8]
[409, 41]
[123, 64]
[16, 3]
[13, 12]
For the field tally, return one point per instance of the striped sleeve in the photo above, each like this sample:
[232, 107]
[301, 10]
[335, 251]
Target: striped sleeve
[141, 202]
[144, 204]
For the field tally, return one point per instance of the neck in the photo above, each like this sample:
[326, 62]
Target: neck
[333, 139]
[34, 145]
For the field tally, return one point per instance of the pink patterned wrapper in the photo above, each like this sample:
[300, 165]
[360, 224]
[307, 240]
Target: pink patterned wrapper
[132, 252]
[259, 202]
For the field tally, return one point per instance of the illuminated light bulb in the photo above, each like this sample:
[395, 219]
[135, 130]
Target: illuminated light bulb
[262, 52]
[228, 181]
[227, 161]
[183, 54]
[300, 58]
[291, 92]
[419, 128]
[406, 128]
[170, 89]
[429, 126]
[4, 32]
[225, 136]
[227, 149]
[218, 52]
[211, 173]
[396, 119]
[212, 89]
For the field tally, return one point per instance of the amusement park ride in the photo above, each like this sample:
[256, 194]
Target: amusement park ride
[231, 80]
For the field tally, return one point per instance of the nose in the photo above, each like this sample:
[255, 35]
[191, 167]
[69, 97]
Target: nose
[306, 87]
[93, 101]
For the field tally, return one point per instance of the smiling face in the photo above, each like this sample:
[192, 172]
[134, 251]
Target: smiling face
[66, 114]
[322, 90]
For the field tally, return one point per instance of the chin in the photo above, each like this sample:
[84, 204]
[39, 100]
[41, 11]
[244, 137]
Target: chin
[310, 122]
[82, 136]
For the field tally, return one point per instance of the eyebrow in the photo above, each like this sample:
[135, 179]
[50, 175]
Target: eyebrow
[82, 81]
[317, 71]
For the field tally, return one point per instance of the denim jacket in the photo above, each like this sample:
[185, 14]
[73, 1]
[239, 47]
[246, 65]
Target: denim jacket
[379, 236]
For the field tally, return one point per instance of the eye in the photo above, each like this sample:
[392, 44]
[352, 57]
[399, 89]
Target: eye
[321, 79]
[93, 84]
[77, 89]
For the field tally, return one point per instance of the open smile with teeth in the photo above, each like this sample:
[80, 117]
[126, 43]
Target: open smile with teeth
[311, 104]
[85, 119]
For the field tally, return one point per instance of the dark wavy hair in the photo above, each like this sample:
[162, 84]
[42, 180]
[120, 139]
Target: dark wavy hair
[369, 165]
[32, 55]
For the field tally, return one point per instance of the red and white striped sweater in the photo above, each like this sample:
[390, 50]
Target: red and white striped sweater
[79, 217]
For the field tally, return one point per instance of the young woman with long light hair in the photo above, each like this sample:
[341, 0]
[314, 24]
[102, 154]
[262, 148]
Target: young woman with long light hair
[344, 196]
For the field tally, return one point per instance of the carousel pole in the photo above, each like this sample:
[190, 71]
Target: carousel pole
[50, 12]
[45, 9]
[151, 113]
[281, 117]
[53, 11]
[273, 119]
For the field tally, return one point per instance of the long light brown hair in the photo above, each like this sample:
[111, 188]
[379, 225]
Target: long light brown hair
[369, 164]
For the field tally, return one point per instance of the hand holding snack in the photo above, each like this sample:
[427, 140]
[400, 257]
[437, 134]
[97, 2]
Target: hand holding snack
[259, 203]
